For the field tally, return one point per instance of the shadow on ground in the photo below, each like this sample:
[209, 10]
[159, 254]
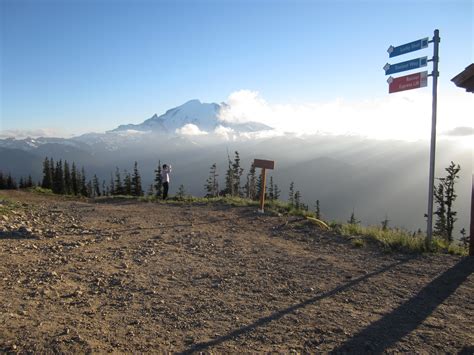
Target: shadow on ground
[383, 333]
[277, 315]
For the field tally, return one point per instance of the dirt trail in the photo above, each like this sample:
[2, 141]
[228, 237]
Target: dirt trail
[129, 277]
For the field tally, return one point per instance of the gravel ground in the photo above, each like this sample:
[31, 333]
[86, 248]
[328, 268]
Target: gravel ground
[127, 276]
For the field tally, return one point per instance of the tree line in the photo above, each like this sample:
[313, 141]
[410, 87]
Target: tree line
[64, 178]
[233, 186]
[252, 188]
[7, 182]
[61, 177]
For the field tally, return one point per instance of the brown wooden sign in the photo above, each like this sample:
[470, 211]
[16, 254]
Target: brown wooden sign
[264, 164]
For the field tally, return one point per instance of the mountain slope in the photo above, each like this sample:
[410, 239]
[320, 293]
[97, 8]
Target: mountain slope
[203, 115]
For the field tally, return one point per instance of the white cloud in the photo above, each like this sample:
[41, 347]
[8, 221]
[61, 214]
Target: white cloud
[225, 132]
[404, 116]
[131, 133]
[460, 132]
[190, 130]
[32, 133]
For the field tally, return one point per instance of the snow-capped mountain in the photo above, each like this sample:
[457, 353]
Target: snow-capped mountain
[205, 116]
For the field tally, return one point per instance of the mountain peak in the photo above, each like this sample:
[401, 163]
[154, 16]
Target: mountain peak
[192, 102]
[203, 115]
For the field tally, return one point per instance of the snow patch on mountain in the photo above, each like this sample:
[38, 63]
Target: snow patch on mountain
[203, 116]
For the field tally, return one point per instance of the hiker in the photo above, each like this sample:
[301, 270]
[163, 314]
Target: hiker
[165, 178]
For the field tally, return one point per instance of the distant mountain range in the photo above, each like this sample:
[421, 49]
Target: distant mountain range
[374, 178]
[203, 116]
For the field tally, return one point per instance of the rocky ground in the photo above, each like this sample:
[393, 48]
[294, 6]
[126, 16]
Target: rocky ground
[127, 276]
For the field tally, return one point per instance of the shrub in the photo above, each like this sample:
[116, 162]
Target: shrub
[357, 242]
[40, 190]
[394, 239]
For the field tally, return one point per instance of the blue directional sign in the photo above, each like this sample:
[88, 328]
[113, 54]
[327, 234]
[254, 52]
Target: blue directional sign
[408, 47]
[403, 66]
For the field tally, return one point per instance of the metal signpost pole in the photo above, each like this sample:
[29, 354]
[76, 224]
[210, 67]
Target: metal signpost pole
[435, 74]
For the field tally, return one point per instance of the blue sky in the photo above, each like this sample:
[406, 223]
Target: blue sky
[76, 66]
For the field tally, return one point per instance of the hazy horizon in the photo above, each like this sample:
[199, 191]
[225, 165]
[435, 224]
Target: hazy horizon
[310, 70]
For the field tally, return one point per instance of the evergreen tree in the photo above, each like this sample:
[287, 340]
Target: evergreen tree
[158, 180]
[276, 192]
[136, 182]
[440, 213]
[181, 194]
[22, 183]
[58, 178]
[78, 182]
[212, 185]
[317, 210]
[237, 173]
[252, 184]
[127, 184]
[247, 187]
[384, 223]
[453, 174]
[74, 180]
[151, 191]
[353, 219]
[259, 188]
[112, 185]
[3, 181]
[29, 183]
[67, 179]
[89, 189]
[96, 186]
[445, 196]
[271, 190]
[11, 184]
[83, 186]
[229, 179]
[297, 198]
[53, 171]
[47, 182]
[118, 187]
[104, 189]
[465, 240]
[291, 197]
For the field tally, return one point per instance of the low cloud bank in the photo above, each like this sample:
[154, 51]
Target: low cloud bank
[460, 132]
[190, 130]
[32, 133]
[398, 116]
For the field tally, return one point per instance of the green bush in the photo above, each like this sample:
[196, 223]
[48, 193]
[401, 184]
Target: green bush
[40, 190]
[358, 242]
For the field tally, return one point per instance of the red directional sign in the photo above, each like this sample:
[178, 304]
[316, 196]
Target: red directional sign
[408, 82]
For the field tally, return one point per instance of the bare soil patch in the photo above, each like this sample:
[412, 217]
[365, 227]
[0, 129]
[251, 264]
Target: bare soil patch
[127, 276]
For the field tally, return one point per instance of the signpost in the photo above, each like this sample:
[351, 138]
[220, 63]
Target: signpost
[434, 74]
[415, 81]
[403, 66]
[407, 82]
[408, 47]
[264, 165]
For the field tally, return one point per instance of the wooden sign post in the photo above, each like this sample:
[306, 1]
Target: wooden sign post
[264, 165]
